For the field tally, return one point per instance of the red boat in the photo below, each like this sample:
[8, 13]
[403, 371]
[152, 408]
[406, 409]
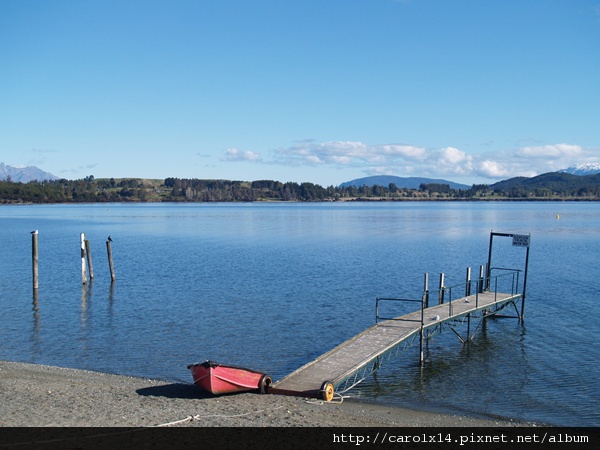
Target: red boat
[224, 379]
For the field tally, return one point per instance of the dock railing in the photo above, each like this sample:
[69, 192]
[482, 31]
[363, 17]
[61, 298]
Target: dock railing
[505, 282]
[500, 285]
[510, 277]
[400, 319]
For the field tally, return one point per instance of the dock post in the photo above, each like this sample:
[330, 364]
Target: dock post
[424, 301]
[468, 283]
[525, 283]
[421, 353]
[426, 290]
[34, 258]
[468, 328]
[480, 286]
[488, 267]
[110, 261]
[89, 259]
[83, 271]
[441, 296]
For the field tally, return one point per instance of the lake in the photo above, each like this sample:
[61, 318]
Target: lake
[274, 285]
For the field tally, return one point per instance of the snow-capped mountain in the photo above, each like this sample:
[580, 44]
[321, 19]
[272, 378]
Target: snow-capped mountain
[24, 174]
[583, 169]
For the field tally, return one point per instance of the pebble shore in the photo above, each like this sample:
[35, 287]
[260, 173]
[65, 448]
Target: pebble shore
[42, 396]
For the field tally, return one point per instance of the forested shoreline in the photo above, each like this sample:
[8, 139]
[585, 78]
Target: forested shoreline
[92, 190]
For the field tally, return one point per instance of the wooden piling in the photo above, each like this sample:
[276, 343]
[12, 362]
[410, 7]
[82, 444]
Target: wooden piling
[34, 258]
[110, 260]
[83, 271]
[441, 296]
[89, 259]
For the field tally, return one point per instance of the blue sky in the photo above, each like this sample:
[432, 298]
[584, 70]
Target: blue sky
[322, 91]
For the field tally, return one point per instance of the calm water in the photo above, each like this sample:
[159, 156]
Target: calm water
[273, 286]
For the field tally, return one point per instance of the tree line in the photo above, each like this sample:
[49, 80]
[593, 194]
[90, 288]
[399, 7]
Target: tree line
[90, 190]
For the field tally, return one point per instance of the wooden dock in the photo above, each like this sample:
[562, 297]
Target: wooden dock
[350, 362]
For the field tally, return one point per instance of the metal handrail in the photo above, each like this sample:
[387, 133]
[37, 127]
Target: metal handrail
[512, 272]
[445, 293]
[412, 300]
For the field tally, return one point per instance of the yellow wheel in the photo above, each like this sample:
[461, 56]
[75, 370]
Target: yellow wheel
[327, 390]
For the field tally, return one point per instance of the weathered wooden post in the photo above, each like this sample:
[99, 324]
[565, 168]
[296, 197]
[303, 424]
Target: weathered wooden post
[89, 259]
[441, 296]
[34, 258]
[110, 260]
[468, 283]
[83, 271]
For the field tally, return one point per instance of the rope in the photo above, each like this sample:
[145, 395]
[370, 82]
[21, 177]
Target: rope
[333, 401]
[337, 399]
[225, 416]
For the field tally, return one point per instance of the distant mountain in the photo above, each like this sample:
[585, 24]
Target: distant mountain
[24, 174]
[583, 169]
[401, 182]
[557, 181]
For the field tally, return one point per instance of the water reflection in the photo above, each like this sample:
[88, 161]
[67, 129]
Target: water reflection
[111, 299]
[465, 377]
[86, 294]
[35, 335]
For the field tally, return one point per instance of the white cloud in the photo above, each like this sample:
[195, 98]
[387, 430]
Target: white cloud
[405, 151]
[451, 160]
[492, 169]
[410, 160]
[348, 153]
[552, 151]
[451, 155]
[313, 159]
[233, 154]
[381, 170]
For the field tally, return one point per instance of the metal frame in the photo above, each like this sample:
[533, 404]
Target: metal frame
[489, 264]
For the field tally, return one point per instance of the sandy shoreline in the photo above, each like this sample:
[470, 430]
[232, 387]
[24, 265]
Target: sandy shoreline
[42, 396]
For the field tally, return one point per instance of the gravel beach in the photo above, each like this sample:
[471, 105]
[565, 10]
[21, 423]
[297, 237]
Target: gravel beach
[43, 396]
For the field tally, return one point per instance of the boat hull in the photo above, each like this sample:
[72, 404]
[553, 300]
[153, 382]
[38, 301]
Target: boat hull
[225, 379]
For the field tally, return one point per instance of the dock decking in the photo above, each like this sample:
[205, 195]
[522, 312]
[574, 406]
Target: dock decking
[361, 353]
